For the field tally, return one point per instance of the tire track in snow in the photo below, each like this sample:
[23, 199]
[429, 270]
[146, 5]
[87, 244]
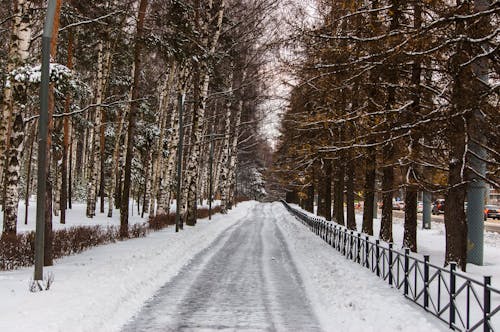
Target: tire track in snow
[246, 280]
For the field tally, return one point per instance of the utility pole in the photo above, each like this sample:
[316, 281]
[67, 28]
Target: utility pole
[178, 224]
[476, 186]
[426, 210]
[43, 123]
[211, 177]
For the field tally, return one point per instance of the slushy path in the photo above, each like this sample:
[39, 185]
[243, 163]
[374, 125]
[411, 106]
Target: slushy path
[246, 280]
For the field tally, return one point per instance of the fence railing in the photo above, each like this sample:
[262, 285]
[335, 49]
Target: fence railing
[465, 304]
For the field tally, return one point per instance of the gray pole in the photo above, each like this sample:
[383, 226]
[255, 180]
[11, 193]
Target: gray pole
[427, 207]
[179, 165]
[476, 186]
[211, 177]
[43, 122]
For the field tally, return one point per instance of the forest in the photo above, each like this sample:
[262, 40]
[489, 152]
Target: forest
[137, 88]
[391, 99]
[156, 102]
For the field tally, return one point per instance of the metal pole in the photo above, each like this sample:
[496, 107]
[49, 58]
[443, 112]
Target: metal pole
[211, 177]
[426, 210]
[43, 123]
[476, 186]
[179, 164]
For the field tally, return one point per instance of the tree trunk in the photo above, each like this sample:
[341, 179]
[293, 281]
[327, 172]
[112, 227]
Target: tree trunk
[387, 195]
[102, 128]
[161, 186]
[328, 189]
[131, 120]
[12, 177]
[351, 216]
[11, 124]
[29, 180]
[94, 163]
[369, 191]
[309, 202]
[64, 165]
[226, 147]
[168, 180]
[114, 178]
[410, 226]
[18, 54]
[338, 187]
[199, 111]
[48, 259]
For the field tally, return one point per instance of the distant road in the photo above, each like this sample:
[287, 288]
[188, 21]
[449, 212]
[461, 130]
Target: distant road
[490, 225]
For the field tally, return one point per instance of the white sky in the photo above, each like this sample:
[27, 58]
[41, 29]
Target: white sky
[290, 13]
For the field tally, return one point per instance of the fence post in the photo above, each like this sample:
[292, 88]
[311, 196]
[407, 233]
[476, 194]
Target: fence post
[345, 242]
[426, 281]
[390, 264]
[338, 235]
[358, 249]
[377, 256]
[407, 268]
[453, 267]
[487, 304]
[351, 243]
[367, 251]
[330, 228]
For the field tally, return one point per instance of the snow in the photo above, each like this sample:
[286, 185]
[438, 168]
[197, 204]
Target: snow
[256, 267]
[346, 296]
[432, 242]
[101, 288]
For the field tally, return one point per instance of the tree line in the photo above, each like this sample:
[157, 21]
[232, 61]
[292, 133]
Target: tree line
[122, 74]
[393, 96]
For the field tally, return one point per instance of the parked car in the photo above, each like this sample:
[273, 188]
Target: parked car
[438, 206]
[491, 211]
[420, 207]
[398, 205]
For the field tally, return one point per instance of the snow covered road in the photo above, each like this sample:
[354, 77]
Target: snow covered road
[246, 280]
[255, 269]
[269, 273]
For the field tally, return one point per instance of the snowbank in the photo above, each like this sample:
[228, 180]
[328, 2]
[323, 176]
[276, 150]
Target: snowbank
[101, 288]
[345, 296]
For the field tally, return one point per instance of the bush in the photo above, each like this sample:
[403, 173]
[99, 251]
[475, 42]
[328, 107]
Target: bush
[161, 221]
[19, 251]
[203, 213]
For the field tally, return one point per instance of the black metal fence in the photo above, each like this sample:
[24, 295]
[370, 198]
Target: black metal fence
[465, 304]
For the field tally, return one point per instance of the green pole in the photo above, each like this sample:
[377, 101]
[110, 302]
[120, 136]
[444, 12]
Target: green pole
[43, 123]
[426, 211]
[476, 186]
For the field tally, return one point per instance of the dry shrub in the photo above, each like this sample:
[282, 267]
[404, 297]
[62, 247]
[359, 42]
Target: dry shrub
[240, 199]
[19, 251]
[161, 221]
[203, 213]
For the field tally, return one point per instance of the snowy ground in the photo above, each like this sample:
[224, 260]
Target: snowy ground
[101, 288]
[432, 242]
[346, 296]
[255, 268]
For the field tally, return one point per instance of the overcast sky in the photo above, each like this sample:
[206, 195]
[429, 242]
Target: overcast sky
[290, 12]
